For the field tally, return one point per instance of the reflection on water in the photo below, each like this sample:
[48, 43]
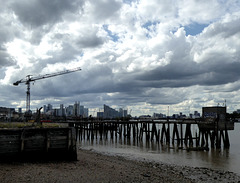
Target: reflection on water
[224, 159]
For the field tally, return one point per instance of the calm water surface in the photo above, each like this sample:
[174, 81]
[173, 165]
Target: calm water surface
[228, 160]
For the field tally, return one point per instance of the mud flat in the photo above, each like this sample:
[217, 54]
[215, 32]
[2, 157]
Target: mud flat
[95, 167]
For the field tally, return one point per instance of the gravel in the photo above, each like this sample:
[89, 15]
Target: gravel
[95, 167]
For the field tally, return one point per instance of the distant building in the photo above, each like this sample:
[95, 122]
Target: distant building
[157, 115]
[85, 112]
[81, 110]
[145, 116]
[109, 113]
[100, 114]
[120, 112]
[196, 114]
[62, 111]
[48, 109]
[214, 112]
[175, 116]
[6, 113]
[69, 110]
[76, 109]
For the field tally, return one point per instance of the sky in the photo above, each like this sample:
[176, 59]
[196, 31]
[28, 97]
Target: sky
[143, 56]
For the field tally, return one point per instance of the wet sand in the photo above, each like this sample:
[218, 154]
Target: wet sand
[95, 167]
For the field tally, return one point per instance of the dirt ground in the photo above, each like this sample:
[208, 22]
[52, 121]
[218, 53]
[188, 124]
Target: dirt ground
[95, 167]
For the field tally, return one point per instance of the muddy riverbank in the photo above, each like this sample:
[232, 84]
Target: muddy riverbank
[95, 167]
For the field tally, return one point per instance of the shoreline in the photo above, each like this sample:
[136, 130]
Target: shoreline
[94, 166]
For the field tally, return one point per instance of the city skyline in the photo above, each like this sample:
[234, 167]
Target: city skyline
[105, 112]
[141, 55]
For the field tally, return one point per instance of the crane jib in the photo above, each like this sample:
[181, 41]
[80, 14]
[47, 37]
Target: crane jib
[29, 79]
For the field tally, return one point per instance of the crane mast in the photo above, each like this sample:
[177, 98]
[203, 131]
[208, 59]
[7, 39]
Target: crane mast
[30, 79]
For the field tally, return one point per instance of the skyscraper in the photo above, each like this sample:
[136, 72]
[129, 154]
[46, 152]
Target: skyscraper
[76, 109]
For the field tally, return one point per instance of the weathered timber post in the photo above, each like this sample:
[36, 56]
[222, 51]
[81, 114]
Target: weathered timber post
[212, 138]
[202, 132]
[206, 137]
[154, 131]
[76, 127]
[106, 130]
[111, 130]
[80, 131]
[158, 135]
[100, 130]
[116, 129]
[88, 132]
[120, 131]
[137, 131]
[175, 131]
[148, 130]
[168, 133]
[164, 133]
[181, 131]
[84, 126]
[218, 141]
[141, 133]
[128, 131]
[226, 142]
[134, 131]
[124, 130]
[96, 126]
[188, 135]
[197, 138]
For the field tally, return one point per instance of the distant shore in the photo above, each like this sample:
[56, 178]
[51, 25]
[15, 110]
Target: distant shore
[95, 167]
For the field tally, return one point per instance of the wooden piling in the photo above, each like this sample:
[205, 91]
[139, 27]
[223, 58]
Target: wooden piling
[154, 131]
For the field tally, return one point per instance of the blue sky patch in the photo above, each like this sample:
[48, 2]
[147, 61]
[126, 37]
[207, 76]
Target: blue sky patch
[194, 29]
[110, 33]
[149, 24]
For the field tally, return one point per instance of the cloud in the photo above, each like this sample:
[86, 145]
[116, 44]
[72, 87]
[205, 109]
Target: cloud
[38, 13]
[140, 54]
[6, 59]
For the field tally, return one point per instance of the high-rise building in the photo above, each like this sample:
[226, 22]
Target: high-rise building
[81, 110]
[125, 113]
[62, 110]
[121, 112]
[85, 112]
[44, 109]
[76, 109]
[110, 113]
[69, 110]
[100, 114]
[49, 107]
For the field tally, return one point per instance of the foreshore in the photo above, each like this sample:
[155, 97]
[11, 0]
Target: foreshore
[95, 167]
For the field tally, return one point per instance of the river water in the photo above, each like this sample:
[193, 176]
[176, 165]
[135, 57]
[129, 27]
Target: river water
[221, 159]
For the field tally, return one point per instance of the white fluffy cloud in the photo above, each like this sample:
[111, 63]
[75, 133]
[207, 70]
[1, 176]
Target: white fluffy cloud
[143, 55]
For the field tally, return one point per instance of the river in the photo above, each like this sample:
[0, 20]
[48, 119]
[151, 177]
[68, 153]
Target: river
[220, 159]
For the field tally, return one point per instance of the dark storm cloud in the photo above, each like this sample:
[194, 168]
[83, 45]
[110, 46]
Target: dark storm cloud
[5, 59]
[36, 13]
[105, 9]
[189, 74]
[65, 55]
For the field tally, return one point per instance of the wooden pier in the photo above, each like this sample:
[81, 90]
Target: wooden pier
[191, 134]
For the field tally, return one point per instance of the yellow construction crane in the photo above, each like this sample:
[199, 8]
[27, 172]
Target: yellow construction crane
[30, 79]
